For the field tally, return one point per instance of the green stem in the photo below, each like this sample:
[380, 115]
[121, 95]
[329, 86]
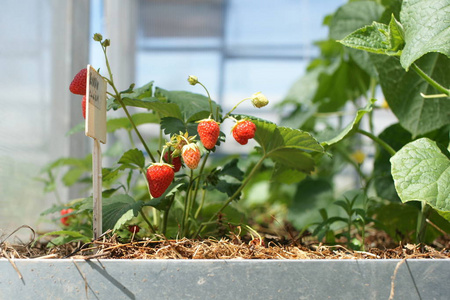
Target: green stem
[147, 221]
[200, 207]
[229, 113]
[232, 197]
[202, 167]
[430, 80]
[166, 215]
[209, 98]
[185, 218]
[421, 223]
[378, 141]
[119, 99]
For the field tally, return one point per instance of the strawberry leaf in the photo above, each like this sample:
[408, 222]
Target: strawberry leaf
[133, 158]
[119, 208]
[287, 146]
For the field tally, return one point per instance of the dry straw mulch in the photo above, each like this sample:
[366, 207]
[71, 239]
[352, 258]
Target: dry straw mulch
[234, 248]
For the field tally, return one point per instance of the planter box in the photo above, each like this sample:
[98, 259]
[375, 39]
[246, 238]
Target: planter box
[224, 279]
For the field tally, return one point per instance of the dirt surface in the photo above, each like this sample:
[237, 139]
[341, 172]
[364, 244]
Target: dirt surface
[232, 247]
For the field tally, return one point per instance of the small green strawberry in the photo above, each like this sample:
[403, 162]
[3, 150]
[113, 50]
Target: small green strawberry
[78, 84]
[191, 155]
[159, 177]
[208, 131]
[243, 130]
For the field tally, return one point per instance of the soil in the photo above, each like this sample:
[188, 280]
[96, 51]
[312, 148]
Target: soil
[378, 246]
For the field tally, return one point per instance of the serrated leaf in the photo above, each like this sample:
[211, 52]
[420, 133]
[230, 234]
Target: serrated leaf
[163, 108]
[336, 137]
[427, 29]
[172, 125]
[372, 38]
[287, 146]
[402, 91]
[193, 106]
[422, 173]
[116, 206]
[231, 169]
[133, 157]
[286, 175]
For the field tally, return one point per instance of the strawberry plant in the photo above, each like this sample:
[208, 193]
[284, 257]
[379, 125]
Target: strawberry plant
[172, 183]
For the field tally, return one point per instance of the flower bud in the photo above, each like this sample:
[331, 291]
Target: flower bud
[193, 80]
[98, 37]
[259, 100]
[107, 43]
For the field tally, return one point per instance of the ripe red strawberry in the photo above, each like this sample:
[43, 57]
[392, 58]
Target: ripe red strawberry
[159, 177]
[243, 131]
[133, 229]
[83, 106]
[209, 131]
[191, 155]
[78, 84]
[65, 220]
[176, 161]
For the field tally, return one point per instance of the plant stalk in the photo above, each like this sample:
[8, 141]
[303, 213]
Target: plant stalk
[379, 141]
[430, 80]
[232, 197]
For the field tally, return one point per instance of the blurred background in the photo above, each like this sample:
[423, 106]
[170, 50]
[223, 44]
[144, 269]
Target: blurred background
[234, 47]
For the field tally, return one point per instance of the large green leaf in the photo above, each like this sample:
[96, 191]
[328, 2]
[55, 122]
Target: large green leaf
[115, 207]
[427, 29]
[402, 91]
[336, 137]
[287, 146]
[421, 172]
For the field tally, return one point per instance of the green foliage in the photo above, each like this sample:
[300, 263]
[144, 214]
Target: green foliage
[421, 172]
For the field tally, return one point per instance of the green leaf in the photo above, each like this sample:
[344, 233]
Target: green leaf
[349, 128]
[287, 146]
[421, 172]
[163, 108]
[352, 16]
[427, 29]
[124, 123]
[172, 126]
[372, 38]
[193, 107]
[396, 137]
[402, 91]
[115, 207]
[133, 157]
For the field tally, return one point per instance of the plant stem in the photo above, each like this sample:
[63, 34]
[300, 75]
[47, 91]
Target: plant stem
[185, 218]
[430, 80]
[232, 197]
[421, 223]
[119, 99]
[166, 215]
[209, 98]
[226, 116]
[378, 141]
[147, 221]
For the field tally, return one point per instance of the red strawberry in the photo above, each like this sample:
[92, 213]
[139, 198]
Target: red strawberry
[176, 161]
[159, 177]
[191, 155]
[65, 220]
[209, 131]
[134, 228]
[83, 106]
[78, 84]
[243, 131]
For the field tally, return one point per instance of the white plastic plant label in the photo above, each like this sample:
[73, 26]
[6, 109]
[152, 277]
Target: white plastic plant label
[96, 105]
